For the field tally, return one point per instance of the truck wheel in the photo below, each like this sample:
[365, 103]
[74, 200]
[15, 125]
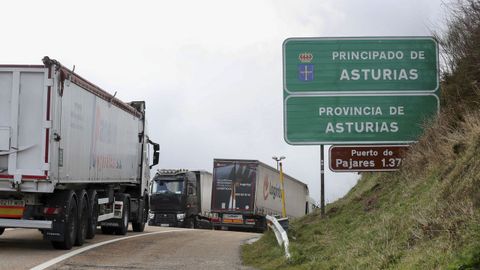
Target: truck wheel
[123, 222]
[70, 226]
[82, 218]
[139, 226]
[2, 230]
[92, 213]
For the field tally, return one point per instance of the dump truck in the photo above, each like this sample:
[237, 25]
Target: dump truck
[180, 198]
[72, 156]
[245, 191]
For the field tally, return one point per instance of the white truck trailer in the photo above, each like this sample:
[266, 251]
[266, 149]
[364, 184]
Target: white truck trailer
[72, 156]
[244, 191]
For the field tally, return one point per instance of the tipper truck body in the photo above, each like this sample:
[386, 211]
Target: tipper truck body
[180, 198]
[72, 156]
[244, 191]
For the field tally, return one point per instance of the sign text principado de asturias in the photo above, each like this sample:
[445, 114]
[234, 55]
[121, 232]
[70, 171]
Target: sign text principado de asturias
[357, 65]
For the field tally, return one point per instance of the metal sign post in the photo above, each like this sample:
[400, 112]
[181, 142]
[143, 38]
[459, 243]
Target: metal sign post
[322, 181]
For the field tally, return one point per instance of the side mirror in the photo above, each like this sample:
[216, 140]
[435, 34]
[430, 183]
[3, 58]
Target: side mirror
[156, 153]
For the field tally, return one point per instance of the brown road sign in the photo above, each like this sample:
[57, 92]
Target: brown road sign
[366, 158]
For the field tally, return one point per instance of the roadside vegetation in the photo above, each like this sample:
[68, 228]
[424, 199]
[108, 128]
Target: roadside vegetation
[425, 216]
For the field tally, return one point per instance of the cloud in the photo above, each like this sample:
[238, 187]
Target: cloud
[210, 71]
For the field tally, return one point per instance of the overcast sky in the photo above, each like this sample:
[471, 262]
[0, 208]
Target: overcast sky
[210, 71]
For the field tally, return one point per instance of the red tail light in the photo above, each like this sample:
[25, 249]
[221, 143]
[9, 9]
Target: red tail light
[250, 221]
[52, 211]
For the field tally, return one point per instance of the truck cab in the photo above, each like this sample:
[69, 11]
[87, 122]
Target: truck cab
[174, 200]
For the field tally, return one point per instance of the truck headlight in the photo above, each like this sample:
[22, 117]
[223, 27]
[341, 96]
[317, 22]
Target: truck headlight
[181, 216]
[151, 215]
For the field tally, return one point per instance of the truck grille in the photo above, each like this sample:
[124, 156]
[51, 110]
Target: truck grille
[165, 218]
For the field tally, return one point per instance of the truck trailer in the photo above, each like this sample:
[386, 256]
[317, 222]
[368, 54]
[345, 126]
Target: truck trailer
[180, 198]
[72, 156]
[244, 191]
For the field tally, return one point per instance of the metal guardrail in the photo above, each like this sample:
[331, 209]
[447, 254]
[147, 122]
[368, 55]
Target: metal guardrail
[280, 234]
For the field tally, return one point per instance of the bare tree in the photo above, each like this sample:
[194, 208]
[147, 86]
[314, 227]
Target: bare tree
[460, 50]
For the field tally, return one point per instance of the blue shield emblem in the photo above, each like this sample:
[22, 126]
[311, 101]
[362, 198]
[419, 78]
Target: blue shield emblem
[305, 72]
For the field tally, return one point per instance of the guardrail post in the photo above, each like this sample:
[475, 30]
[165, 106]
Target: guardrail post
[280, 234]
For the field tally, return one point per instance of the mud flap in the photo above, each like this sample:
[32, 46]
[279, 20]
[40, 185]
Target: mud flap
[56, 233]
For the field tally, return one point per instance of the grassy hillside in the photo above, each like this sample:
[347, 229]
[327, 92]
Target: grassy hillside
[425, 216]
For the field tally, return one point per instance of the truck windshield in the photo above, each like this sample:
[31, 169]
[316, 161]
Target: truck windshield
[168, 186]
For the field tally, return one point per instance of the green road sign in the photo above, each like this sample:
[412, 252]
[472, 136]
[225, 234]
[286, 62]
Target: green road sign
[357, 119]
[327, 65]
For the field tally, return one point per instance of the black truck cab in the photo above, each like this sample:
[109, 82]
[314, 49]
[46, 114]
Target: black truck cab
[174, 200]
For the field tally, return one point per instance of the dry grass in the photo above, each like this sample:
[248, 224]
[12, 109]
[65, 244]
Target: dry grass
[442, 143]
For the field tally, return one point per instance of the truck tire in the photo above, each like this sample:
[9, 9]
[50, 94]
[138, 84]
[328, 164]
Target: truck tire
[139, 225]
[70, 227]
[2, 230]
[92, 213]
[82, 217]
[123, 222]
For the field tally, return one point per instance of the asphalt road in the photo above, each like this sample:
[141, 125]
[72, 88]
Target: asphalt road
[156, 248]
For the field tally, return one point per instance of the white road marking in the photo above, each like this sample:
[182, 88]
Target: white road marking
[81, 250]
